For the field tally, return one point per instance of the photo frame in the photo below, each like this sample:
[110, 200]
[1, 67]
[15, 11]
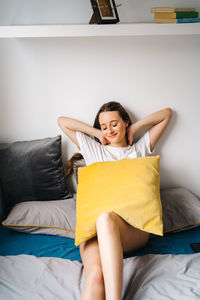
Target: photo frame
[105, 12]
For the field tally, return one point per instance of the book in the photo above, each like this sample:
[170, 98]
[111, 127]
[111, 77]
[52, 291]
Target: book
[176, 15]
[171, 9]
[181, 20]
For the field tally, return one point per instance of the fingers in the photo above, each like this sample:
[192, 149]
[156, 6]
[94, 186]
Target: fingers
[130, 142]
[105, 142]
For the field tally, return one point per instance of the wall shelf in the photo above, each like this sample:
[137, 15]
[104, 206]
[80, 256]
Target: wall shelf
[86, 30]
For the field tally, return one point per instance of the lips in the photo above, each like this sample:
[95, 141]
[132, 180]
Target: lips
[113, 135]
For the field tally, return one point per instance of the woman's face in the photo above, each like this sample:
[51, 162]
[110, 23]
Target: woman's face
[113, 128]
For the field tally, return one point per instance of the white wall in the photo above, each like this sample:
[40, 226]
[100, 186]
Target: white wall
[14, 12]
[41, 79]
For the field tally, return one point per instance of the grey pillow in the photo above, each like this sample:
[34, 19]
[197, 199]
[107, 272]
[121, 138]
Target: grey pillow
[1, 204]
[76, 165]
[181, 209]
[39, 217]
[31, 171]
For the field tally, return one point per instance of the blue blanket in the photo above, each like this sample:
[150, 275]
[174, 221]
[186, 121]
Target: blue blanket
[14, 243]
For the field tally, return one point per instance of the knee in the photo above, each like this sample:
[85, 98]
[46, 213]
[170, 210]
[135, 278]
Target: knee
[107, 219]
[95, 276]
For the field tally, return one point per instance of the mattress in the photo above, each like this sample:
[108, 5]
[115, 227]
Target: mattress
[48, 267]
[16, 243]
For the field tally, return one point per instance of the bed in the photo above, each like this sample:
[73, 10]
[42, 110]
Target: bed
[41, 261]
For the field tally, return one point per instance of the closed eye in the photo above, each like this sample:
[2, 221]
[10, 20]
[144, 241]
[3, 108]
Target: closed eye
[113, 125]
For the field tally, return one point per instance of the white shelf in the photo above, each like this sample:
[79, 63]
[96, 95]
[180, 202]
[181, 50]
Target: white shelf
[88, 30]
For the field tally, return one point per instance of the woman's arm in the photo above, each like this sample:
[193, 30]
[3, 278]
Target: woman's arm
[69, 126]
[157, 120]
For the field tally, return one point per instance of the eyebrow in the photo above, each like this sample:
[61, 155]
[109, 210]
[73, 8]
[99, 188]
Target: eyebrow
[110, 122]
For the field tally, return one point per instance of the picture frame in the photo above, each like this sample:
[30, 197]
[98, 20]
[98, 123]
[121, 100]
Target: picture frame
[105, 12]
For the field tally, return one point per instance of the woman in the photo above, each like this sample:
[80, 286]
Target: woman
[113, 136]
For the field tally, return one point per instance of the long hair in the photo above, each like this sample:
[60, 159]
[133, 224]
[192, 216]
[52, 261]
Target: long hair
[109, 106]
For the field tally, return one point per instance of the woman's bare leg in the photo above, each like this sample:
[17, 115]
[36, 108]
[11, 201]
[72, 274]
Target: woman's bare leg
[115, 236]
[94, 282]
[111, 255]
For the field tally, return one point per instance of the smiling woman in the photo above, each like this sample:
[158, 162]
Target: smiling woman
[110, 139]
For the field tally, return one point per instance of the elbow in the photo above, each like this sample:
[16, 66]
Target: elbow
[169, 112]
[60, 121]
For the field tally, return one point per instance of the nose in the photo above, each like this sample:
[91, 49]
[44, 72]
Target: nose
[110, 129]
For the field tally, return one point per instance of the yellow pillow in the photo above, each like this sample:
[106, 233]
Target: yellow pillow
[128, 187]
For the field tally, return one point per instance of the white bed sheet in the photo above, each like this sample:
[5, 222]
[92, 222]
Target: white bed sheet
[149, 277]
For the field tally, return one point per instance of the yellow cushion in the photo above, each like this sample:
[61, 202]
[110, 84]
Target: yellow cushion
[128, 187]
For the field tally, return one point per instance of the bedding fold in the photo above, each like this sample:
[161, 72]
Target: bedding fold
[147, 277]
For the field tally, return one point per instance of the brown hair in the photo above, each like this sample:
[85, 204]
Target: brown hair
[109, 106]
[69, 168]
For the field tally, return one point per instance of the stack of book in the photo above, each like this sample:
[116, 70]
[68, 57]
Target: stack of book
[174, 15]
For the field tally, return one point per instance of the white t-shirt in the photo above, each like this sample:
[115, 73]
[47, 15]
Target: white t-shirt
[94, 151]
